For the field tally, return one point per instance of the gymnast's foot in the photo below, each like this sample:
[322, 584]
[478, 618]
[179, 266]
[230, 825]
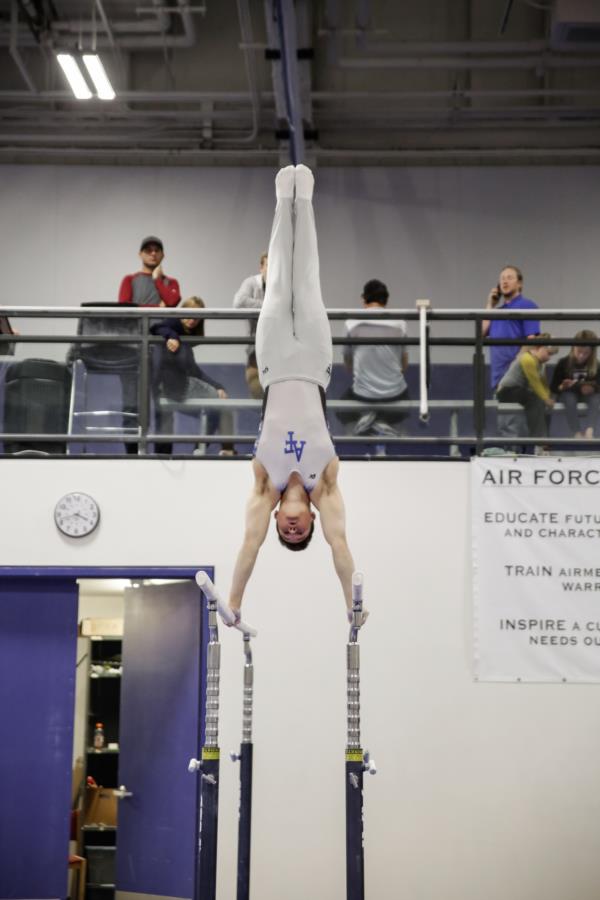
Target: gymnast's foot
[305, 183]
[284, 183]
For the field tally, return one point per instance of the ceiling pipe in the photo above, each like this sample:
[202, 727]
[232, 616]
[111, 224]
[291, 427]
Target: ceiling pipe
[331, 157]
[535, 117]
[247, 39]
[106, 24]
[282, 17]
[388, 49]
[457, 62]
[14, 50]
[267, 97]
[148, 34]
[155, 24]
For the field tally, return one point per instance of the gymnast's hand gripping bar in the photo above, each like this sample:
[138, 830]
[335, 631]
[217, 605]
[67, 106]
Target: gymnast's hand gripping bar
[227, 614]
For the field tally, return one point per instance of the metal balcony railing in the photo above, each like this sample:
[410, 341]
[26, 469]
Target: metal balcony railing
[453, 442]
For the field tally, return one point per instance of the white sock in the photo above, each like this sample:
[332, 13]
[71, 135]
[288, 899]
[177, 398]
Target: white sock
[284, 183]
[305, 183]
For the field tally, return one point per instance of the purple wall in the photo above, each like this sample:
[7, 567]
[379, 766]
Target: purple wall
[38, 640]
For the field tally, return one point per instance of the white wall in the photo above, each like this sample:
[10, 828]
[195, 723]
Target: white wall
[69, 234]
[484, 790]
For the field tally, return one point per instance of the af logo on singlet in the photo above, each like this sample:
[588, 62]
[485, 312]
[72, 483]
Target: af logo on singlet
[294, 446]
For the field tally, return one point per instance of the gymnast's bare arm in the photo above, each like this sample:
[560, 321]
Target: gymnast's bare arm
[261, 503]
[328, 500]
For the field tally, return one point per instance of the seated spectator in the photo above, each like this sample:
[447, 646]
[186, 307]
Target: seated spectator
[177, 376]
[377, 369]
[576, 379]
[250, 296]
[150, 286]
[525, 383]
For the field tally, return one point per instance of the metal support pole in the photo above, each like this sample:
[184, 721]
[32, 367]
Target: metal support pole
[423, 306]
[208, 766]
[479, 387]
[357, 761]
[245, 759]
[143, 393]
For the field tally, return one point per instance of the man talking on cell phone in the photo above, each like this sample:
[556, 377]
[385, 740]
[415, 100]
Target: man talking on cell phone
[508, 295]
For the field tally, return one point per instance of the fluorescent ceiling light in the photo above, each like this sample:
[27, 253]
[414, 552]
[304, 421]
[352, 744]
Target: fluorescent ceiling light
[96, 72]
[74, 77]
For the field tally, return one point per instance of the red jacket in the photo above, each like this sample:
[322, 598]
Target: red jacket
[143, 290]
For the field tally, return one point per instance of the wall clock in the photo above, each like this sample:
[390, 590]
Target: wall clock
[76, 514]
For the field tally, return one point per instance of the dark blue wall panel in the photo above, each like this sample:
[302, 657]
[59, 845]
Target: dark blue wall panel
[38, 641]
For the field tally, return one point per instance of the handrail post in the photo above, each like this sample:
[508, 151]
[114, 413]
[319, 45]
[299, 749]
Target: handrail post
[479, 387]
[143, 389]
[423, 306]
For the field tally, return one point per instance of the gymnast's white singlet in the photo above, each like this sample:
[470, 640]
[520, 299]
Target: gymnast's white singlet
[294, 436]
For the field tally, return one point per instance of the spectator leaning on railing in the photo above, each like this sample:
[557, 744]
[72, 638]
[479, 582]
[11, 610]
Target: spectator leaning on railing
[576, 379]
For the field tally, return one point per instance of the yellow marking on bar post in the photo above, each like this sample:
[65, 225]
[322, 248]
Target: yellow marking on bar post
[211, 753]
[354, 756]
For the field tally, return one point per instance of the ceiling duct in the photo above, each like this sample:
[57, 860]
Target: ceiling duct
[575, 22]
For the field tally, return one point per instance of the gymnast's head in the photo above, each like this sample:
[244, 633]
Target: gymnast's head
[295, 523]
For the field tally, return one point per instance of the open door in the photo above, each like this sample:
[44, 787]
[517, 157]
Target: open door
[160, 731]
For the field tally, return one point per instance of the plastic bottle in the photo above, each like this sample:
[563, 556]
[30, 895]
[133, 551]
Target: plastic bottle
[99, 736]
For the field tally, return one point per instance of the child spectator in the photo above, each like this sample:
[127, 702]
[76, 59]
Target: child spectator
[525, 383]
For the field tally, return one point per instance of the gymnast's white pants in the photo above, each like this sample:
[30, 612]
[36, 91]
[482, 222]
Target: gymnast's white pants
[293, 337]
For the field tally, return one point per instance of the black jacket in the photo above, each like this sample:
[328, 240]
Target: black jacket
[172, 370]
[565, 368]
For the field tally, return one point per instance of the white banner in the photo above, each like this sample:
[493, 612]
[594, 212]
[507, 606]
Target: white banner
[536, 568]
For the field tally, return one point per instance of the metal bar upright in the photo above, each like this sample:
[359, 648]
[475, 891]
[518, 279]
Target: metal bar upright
[208, 766]
[245, 758]
[356, 760]
[423, 306]
[479, 387]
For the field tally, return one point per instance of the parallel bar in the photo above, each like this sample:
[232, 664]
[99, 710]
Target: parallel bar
[355, 875]
[245, 823]
[210, 592]
[208, 767]
[245, 758]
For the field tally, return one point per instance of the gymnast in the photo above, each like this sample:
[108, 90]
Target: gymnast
[295, 464]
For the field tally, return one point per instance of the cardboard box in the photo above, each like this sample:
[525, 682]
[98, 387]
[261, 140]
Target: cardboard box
[99, 806]
[102, 627]
[77, 782]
